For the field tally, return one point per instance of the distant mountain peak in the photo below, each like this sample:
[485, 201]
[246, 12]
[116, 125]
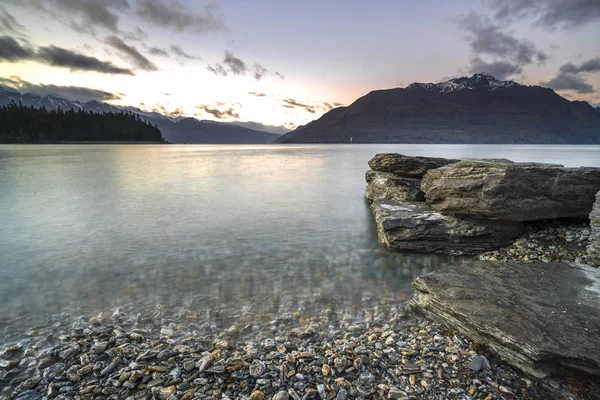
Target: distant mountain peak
[477, 81]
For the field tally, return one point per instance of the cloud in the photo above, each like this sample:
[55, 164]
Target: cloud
[258, 71]
[565, 81]
[9, 24]
[137, 35]
[158, 52]
[327, 106]
[236, 65]
[217, 69]
[257, 94]
[67, 92]
[509, 54]
[487, 38]
[549, 14]
[132, 54]
[569, 76]
[338, 104]
[92, 12]
[291, 103]
[280, 75]
[178, 51]
[173, 14]
[223, 113]
[11, 50]
[586, 67]
[499, 69]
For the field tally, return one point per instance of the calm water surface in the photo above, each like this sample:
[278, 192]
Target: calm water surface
[93, 227]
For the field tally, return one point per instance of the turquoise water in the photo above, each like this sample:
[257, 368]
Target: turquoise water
[93, 227]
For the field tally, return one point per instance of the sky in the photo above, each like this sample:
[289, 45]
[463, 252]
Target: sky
[285, 63]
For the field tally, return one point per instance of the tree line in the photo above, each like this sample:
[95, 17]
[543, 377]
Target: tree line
[21, 124]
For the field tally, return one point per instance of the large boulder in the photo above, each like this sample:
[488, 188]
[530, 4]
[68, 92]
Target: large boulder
[537, 317]
[594, 247]
[504, 190]
[406, 166]
[384, 185]
[413, 226]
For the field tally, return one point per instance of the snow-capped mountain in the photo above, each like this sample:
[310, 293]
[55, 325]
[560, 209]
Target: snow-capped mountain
[477, 81]
[476, 109]
[174, 129]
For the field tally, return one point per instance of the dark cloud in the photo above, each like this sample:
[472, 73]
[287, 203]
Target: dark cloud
[9, 24]
[258, 71]
[498, 69]
[92, 12]
[571, 82]
[586, 67]
[291, 103]
[173, 14]
[137, 35]
[131, 54]
[280, 75]
[67, 92]
[179, 52]
[176, 113]
[217, 69]
[327, 106]
[257, 94]
[569, 76]
[236, 65]
[550, 14]
[11, 50]
[223, 113]
[158, 52]
[59, 57]
[486, 39]
[338, 104]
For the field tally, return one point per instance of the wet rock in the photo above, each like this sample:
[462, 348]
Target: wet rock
[414, 226]
[406, 166]
[536, 316]
[593, 249]
[508, 191]
[386, 186]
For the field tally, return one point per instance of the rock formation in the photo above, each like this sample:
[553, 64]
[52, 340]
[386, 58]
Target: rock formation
[594, 247]
[504, 190]
[413, 226]
[537, 317]
[467, 207]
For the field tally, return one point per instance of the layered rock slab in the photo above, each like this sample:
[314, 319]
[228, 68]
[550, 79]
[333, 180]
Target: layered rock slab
[385, 185]
[594, 247]
[406, 166]
[538, 317]
[504, 190]
[413, 226]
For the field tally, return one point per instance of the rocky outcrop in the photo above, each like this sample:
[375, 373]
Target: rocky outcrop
[413, 226]
[538, 317]
[406, 166]
[594, 247]
[503, 190]
[384, 185]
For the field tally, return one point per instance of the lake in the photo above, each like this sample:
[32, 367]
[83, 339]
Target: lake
[87, 228]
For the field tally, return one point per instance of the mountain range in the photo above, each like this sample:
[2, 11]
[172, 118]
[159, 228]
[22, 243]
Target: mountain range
[476, 109]
[174, 130]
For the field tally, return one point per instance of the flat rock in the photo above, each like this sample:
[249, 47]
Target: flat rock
[593, 249]
[503, 190]
[413, 226]
[387, 186]
[406, 166]
[539, 317]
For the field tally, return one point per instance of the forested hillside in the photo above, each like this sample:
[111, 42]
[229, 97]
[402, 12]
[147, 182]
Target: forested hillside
[20, 124]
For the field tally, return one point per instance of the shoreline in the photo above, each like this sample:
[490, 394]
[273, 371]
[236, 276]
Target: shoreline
[385, 351]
